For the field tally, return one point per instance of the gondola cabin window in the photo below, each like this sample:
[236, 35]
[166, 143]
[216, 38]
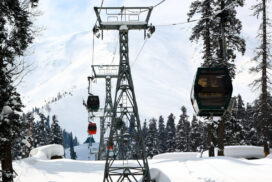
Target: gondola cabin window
[212, 89]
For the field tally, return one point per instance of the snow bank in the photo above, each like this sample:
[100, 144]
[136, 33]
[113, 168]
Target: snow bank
[158, 175]
[177, 155]
[269, 156]
[213, 169]
[47, 152]
[243, 151]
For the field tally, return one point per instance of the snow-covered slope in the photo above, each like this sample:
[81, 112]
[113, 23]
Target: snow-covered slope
[216, 169]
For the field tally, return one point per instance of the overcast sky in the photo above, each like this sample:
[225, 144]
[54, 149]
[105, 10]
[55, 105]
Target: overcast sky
[163, 73]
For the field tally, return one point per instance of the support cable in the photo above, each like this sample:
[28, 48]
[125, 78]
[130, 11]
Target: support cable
[147, 10]
[159, 3]
[138, 55]
[115, 50]
[102, 2]
[190, 21]
[90, 81]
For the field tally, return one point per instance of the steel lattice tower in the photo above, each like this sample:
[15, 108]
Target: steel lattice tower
[127, 139]
[106, 72]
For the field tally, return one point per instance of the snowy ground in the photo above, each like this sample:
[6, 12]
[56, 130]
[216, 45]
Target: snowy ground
[218, 169]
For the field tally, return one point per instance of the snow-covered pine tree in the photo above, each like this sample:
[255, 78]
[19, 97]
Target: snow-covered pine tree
[162, 136]
[250, 131]
[203, 130]
[232, 26]
[48, 130]
[233, 131]
[15, 37]
[258, 124]
[222, 20]
[152, 138]
[226, 45]
[35, 134]
[11, 131]
[242, 125]
[183, 132]
[171, 134]
[76, 143]
[263, 60]
[270, 118]
[204, 27]
[195, 136]
[72, 150]
[21, 146]
[144, 131]
[66, 139]
[41, 133]
[30, 123]
[56, 133]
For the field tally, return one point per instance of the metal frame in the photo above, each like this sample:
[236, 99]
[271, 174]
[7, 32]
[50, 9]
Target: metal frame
[129, 139]
[124, 13]
[106, 72]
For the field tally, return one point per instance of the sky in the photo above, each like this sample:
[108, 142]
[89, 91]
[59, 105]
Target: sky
[61, 59]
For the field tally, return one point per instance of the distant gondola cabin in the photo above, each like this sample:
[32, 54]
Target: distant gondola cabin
[109, 145]
[118, 123]
[93, 103]
[92, 128]
[211, 92]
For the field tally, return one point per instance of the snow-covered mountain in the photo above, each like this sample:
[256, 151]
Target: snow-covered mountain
[163, 73]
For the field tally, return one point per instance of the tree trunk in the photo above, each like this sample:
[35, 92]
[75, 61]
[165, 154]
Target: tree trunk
[210, 140]
[6, 162]
[221, 138]
[264, 84]
[207, 38]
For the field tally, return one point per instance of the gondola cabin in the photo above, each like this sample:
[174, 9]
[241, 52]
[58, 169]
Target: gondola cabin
[93, 103]
[118, 123]
[92, 128]
[211, 92]
[109, 145]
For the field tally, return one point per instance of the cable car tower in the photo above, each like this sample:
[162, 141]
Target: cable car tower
[106, 72]
[125, 132]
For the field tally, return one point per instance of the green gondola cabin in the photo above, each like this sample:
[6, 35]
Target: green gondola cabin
[211, 92]
[93, 103]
